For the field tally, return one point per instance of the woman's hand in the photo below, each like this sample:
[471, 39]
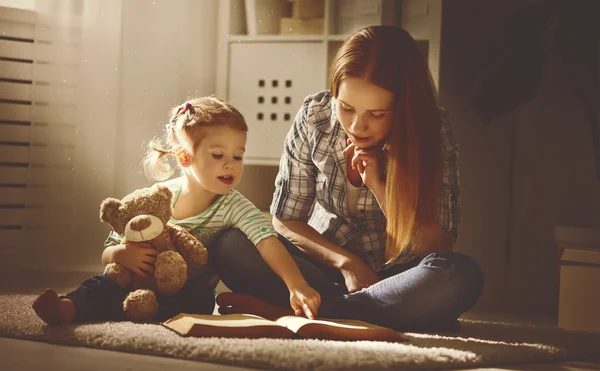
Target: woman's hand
[358, 275]
[368, 162]
[305, 300]
[138, 257]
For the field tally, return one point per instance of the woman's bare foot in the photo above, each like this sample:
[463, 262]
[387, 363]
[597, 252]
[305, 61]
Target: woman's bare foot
[54, 310]
[242, 303]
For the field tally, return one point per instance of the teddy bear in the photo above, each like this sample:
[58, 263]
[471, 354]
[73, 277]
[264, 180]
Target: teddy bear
[143, 216]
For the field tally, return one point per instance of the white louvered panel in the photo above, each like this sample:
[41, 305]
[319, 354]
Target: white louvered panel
[38, 118]
[10, 237]
[14, 154]
[18, 50]
[46, 237]
[41, 236]
[54, 94]
[46, 175]
[54, 35]
[37, 155]
[15, 91]
[14, 112]
[15, 70]
[52, 155]
[18, 29]
[45, 73]
[36, 195]
[55, 74]
[14, 15]
[15, 175]
[60, 54]
[38, 133]
[52, 134]
[47, 53]
[46, 30]
[41, 114]
[48, 217]
[62, 115]
[17, 133]
[8, 253]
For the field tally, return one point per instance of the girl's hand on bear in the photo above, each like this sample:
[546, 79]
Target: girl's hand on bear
[138, 257]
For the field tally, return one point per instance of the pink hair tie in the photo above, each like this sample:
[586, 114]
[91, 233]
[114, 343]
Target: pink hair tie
[186, 106]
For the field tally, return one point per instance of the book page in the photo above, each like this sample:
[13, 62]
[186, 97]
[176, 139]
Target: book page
[228, 325]
[228, 320]
[295, 322]
[340, 329]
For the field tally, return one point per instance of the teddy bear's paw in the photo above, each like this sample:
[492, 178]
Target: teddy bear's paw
[119, 274]
[196, 253]
[141, 305]
[170, 272]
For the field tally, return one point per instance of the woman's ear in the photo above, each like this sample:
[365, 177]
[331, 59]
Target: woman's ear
[183, 157]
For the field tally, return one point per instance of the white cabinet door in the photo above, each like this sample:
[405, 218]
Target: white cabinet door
[268, 83]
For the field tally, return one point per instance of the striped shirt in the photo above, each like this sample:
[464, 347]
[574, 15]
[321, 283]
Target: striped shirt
[311, 185]
[231, 210]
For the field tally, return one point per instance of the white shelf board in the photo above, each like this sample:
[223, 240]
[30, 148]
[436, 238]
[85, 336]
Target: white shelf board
[263, 161]
[276, 38]
[337, 37]
[285, 38]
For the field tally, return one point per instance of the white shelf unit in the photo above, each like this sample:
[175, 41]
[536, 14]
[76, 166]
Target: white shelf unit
[267, 76]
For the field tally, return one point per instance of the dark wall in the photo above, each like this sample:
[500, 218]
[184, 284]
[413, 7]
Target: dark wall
[529, 167]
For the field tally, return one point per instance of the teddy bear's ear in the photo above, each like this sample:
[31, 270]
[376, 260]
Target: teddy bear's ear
[163, 191]
[108, 208]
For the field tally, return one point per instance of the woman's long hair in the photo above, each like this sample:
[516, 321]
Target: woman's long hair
[388, 56]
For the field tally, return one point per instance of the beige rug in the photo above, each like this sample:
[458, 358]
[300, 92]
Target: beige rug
[477, 344]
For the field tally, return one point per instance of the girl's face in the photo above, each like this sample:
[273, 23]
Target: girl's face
[364, 110]
[218, 162]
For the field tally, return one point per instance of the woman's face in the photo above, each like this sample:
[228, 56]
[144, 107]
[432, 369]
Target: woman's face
[364, 110]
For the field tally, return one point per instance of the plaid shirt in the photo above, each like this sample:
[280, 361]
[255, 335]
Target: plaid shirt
[313, 168]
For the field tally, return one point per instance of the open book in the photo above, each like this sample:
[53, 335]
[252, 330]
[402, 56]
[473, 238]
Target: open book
[251, 326]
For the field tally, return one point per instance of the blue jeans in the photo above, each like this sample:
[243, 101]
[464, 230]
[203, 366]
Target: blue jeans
[100, 299]
[420, 295]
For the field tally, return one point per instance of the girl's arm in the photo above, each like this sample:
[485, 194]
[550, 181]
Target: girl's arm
[109, 253]
[357, 274]
[303, 298]
[137, 257]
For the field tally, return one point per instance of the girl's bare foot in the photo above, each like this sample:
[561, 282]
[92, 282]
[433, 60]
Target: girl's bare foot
[242, 303]
[54, 310]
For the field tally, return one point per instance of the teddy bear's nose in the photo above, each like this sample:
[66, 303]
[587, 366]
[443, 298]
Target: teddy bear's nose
[140, 223]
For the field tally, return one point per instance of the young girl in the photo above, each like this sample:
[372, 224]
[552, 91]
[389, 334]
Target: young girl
[367, 197]
[207, 137]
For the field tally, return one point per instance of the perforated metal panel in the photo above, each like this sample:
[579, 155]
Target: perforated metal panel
[268, 83]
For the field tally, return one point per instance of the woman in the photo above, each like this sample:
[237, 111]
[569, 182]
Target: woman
[366, 200]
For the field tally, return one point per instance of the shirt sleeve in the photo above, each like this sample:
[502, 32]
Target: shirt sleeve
[449, 212]
[113, 239]
[250, 220]
[295, 183]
